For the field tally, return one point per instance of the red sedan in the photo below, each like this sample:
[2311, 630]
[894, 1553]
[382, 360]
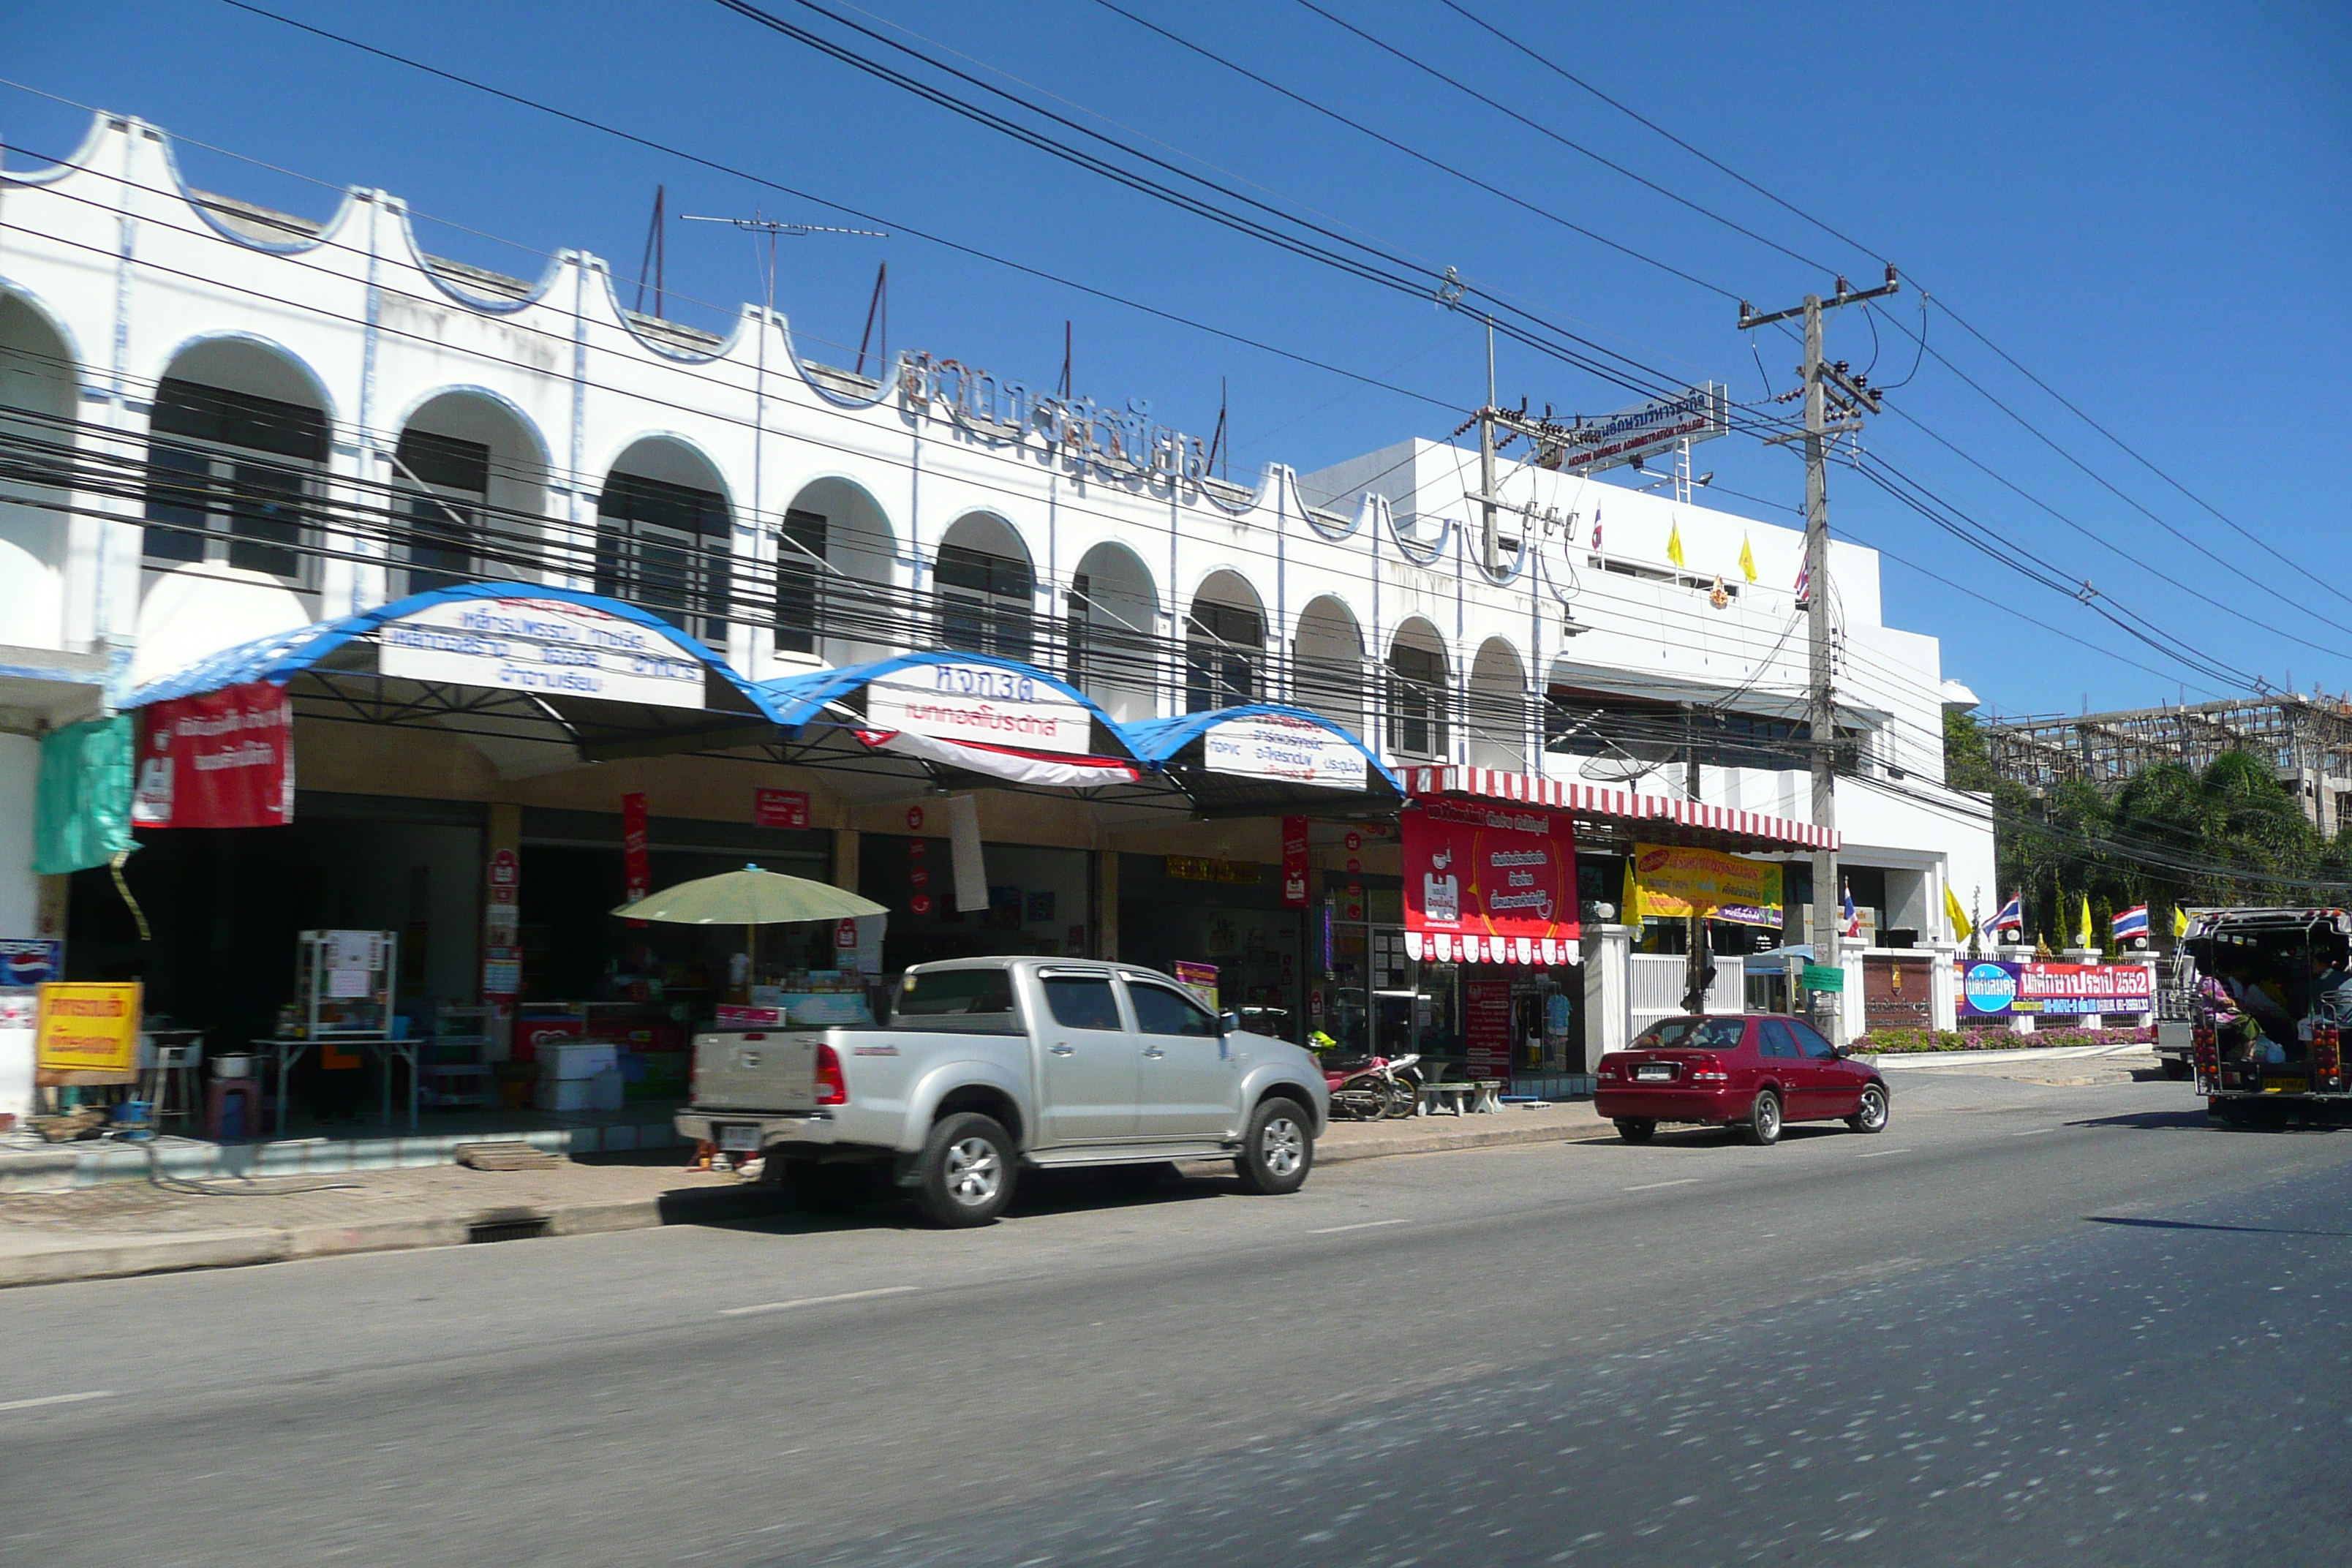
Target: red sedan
[1752, 1074]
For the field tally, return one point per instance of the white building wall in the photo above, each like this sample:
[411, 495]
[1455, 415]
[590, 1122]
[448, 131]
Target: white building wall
[111, 251]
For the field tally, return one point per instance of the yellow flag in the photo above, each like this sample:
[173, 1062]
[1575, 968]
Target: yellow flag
[2179, 922]
[2083, 939]
[1675, 543]
[1961, 927]
[1747, 560]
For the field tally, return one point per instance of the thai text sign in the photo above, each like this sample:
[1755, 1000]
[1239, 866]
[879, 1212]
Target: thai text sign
[87, 1028]
[980, 705]
[220, 759]
[1296, 860]
[1895, 993]
[1995, 988]
[1673, 881]
[1277, 746]
[548, 647]
[1490, 883]
[1486, 1028]
[1694, 414]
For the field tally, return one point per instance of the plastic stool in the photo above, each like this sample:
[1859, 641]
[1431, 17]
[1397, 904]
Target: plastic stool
[233, 1110]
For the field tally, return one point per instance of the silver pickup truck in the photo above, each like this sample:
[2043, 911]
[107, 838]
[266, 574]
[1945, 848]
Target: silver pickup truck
[989, 1065]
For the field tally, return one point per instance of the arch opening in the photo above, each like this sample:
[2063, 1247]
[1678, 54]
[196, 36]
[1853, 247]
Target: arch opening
[36, 436]
[834, 577]
[236, 454]
[469, 495]
[1495, 715]
[665, 537]
[1327, 663]
[985, 589]
[1224, 644]
[1420, 690]
[1112, 610]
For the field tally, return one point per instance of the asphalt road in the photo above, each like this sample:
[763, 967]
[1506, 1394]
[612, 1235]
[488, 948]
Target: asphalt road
[2027, 1323]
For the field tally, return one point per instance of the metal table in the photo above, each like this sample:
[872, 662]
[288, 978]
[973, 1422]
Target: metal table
[284, 1054]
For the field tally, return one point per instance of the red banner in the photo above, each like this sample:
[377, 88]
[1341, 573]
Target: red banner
[637, 867]
[1490, 883]
[1486, 1028]
[223, 759]
[780, 807]
[1293, 862]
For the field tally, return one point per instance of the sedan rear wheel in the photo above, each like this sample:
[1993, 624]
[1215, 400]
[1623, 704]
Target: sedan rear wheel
[1870, 1116]
[1635, 1128]
[1764, 1119]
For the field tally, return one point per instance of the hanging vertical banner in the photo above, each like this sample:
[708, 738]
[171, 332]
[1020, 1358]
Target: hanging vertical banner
[1496, 883]
[636, 866]
[1294, 862]
[220, 759]
[964, 853]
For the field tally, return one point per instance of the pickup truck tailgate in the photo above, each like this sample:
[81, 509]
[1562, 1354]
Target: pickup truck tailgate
[770, 1069]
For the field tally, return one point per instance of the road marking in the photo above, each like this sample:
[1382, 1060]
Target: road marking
[1364, 1224]
[816, 1301]
[2034, 1133]
[55, 1399]
[1654, 1186]
[1881, 1153]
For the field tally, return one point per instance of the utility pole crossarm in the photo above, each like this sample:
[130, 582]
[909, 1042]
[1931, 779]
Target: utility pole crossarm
[1749, 320]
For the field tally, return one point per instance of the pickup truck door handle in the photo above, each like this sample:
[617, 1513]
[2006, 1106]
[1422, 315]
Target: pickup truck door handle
[1154, 1052]
[1062, 1051]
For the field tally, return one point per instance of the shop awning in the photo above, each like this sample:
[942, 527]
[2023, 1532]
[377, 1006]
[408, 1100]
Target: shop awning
[1263, 757]
[956, 719]
[504, 662]
[1670, 820]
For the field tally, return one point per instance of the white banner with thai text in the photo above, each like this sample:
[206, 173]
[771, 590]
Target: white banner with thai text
[1272, 747]
[979, 704]
[548, 647]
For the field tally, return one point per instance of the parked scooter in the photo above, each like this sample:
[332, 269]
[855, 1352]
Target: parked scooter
[1382, 1088]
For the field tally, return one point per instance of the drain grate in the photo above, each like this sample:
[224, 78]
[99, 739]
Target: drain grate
[507, 1227]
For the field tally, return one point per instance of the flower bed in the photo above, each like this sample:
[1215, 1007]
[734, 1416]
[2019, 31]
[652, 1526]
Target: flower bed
[1889, 1042]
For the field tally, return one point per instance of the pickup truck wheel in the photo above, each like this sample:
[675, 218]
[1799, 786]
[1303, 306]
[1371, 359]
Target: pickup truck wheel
[1277, 1151]
[964, 1176]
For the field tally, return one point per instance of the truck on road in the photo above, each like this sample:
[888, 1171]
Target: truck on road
[2267, 1042]
[987, 1066]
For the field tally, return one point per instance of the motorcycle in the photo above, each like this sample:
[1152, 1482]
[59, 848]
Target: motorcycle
[1382, 1088]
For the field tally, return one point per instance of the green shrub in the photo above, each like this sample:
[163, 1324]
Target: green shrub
[1884, 1042]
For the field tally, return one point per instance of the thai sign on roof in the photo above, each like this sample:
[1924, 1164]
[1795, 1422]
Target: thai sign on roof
[979, 704]
[1644, 430]
[1277, 746]
[550, 648]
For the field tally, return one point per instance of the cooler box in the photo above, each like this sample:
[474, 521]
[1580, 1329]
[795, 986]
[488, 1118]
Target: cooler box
[567, 1059]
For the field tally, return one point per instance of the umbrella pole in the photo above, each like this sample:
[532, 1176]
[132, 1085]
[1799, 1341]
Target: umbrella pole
[751, 958]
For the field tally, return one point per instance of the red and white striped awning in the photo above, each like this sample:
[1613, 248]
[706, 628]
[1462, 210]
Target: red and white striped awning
[1599, 800]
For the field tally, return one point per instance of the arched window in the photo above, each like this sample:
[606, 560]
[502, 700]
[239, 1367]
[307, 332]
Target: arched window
[1419, 692]
[664, 538]
[236, 446]
[470, 489]
[987, 600]
[1224, 645]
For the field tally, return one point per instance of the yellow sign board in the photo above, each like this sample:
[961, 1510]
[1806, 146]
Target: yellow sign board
[84, 1027]
[1673, 881]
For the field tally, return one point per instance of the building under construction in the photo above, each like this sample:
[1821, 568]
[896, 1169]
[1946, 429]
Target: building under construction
[2307, 739]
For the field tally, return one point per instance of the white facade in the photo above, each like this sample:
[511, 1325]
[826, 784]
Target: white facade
[1074, 538]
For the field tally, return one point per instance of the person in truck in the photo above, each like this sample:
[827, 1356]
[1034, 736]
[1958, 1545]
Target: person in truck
[2234, 1032]
[2331, 982]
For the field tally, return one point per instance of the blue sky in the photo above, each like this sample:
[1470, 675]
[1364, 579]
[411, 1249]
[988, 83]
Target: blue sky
[2142, 203]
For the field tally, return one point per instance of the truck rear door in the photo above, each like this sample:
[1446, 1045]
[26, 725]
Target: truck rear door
[1088, 1062]
[760, 1070]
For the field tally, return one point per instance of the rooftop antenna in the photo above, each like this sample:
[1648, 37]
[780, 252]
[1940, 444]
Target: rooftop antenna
[758, 224]
[879, 306]
[1067, 339]
[1217, 442]
[656, 234]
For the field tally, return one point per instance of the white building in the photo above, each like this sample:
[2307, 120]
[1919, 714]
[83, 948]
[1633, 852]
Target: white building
[230, 422]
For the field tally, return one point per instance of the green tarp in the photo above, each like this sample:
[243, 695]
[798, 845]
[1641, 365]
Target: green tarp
[82, 816]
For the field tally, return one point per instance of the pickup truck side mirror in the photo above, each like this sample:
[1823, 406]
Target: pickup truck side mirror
[1229, 1023]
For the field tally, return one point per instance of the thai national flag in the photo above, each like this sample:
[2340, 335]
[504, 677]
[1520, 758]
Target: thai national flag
[2131, 922]
[1853, 920]
[1804, 582]
[2012, 916]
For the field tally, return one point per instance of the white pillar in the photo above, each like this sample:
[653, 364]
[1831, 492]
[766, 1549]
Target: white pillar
[1608, 997]
[1943, 987]
[20, 902]
[1851, 1006]
[2018, 953]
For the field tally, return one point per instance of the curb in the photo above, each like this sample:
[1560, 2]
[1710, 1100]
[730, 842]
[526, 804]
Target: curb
[129, 1256]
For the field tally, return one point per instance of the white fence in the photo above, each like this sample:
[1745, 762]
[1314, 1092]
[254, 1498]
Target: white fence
[1654, 981]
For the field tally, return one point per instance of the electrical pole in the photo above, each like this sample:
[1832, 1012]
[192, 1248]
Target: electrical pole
[1489, 538]
[1694, 969]
[1854, 397]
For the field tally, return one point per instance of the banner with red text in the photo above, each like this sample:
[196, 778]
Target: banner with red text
[222, 759]
[1490, 883]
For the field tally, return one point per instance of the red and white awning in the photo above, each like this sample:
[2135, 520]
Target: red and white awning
[1004, 763]
[1598, 800]
[1446, 948]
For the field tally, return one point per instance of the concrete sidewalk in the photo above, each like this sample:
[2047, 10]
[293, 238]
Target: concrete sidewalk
[124, 1228]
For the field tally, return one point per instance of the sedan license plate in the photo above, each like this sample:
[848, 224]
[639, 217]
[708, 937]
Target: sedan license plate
[740, 1136]
[1654, 1072]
